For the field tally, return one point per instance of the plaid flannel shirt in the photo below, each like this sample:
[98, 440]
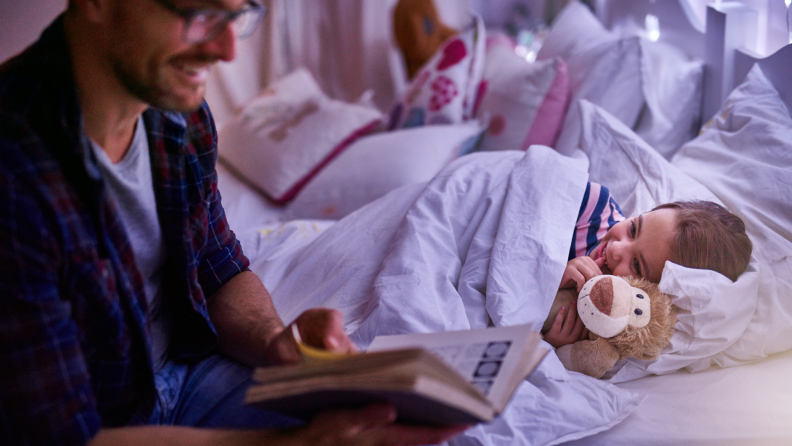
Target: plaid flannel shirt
[74, 346]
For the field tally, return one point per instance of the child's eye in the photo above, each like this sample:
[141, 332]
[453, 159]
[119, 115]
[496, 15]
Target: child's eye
[632, 228]
[637, 266]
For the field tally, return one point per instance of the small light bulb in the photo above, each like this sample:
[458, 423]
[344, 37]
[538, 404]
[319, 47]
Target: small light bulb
[652, 24]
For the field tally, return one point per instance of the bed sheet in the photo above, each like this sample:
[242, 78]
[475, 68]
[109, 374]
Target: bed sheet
[744, 405]
[740, 405]
[245, 208]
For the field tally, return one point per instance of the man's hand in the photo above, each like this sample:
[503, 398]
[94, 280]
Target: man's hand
[579, 270]
[319, 327]
[371, 426]
[567, 328]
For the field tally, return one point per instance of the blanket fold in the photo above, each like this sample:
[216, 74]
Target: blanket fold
[484, 242]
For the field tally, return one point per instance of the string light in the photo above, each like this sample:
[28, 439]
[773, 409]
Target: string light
[652, 24]
[788, 12]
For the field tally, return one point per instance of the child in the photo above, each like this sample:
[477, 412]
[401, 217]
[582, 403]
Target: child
[694, 234]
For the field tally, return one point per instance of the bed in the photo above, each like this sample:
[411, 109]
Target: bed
[362, 210]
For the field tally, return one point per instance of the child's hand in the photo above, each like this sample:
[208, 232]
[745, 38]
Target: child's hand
[567, 328]
[579, 270]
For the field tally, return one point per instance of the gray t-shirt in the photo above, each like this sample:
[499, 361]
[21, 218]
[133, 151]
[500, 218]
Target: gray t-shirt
[129, 184]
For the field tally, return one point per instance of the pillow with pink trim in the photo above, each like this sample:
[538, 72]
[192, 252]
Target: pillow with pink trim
[286, 135]
[446, 89]
[525, 102]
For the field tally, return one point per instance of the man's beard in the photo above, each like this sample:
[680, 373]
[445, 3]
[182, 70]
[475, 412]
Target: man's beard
[152, 93]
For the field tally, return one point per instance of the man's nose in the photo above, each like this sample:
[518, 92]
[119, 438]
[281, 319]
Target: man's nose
[223, 46]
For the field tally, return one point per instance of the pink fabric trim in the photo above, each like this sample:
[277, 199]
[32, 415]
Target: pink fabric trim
[294, 190]
[550, 115]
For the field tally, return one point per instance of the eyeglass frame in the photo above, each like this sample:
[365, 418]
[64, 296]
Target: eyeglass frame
[188, 15]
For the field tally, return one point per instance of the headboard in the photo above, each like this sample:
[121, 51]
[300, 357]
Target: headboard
[777, 67]
[678, 25]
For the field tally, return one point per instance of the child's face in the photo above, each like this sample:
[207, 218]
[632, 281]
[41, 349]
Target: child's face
[638, 246]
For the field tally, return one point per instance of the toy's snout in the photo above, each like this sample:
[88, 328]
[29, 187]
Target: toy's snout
[608, 304]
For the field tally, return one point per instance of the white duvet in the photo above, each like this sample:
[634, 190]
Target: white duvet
[485, 242]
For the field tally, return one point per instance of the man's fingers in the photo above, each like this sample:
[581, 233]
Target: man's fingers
[372, 425]
[324, 328]
[401, 434]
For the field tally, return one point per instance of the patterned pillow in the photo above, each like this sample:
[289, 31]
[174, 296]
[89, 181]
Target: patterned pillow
[445, 90]
[287, 134]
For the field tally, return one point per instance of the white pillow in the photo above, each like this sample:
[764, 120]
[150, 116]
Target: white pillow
[715, 310]
[652, 87]
[672, 86]
[525, 101]
[377, 164]
[744, 155]
[603, 69]
[638, 177]
[284, 136]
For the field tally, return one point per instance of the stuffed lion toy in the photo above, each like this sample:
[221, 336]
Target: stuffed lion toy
[626, 318]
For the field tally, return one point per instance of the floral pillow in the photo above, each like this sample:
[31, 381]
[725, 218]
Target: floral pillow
[446, 89]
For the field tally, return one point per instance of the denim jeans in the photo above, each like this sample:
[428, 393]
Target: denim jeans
[210, 393]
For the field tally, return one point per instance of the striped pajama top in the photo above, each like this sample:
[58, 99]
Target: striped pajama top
[598, 213]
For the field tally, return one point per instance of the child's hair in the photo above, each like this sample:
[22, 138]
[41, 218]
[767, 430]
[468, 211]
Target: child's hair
[708, 236]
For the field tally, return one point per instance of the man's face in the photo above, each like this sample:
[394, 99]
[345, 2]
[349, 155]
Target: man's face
[148, 55]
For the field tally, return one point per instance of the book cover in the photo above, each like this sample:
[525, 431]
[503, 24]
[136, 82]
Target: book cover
[459, 377]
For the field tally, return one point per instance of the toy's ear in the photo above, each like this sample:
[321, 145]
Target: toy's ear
[419, 32]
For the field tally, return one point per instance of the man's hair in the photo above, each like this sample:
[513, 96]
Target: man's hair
[708, 236]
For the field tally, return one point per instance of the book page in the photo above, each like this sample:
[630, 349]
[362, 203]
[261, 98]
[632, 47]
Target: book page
[492, 359]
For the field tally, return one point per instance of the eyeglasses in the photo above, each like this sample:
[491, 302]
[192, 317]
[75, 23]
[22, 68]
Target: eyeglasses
[203, 25]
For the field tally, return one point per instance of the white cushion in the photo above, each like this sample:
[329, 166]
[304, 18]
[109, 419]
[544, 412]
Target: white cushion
[638, 177]
[715, 311]
[377, 164]
[651, 87]
[744, 156]
[672, 87]
[524, 101]
[289, 132]
[603, 69]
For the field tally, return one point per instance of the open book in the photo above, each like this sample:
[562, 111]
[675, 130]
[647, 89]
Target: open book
[460, 377]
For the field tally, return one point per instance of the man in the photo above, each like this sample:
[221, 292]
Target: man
[126, 304]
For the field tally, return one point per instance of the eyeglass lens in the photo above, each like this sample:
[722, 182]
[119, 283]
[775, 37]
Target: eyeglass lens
[206, 25]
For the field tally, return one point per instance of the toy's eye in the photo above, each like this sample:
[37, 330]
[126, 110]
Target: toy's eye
[638, 312]
[639, 296]
[428, 26]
